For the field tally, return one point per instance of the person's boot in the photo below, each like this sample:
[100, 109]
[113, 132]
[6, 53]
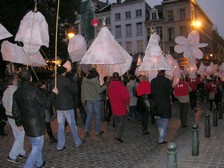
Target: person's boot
[145, 132]
[2, 125]
[50, 133]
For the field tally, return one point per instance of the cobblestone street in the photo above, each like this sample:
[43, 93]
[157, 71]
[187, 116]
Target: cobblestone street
[137, 151]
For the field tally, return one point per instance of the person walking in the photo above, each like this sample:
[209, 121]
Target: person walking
[119, 98]
[90, 96]
[28, 112]
[213, 90]
[144, 93]
[64, 106]
[193, 83]
[17, 151]
[133, 114]
[161, 90]
[42, 85]
[3, 117]
[76, 83]
[181, 92]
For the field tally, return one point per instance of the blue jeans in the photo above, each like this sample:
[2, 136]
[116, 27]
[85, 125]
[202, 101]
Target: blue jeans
[69, 115]
[93, 106]
[35, 157]
[18, 145]
[162, 128]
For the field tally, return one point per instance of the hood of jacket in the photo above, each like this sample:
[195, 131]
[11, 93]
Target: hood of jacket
[115, 83]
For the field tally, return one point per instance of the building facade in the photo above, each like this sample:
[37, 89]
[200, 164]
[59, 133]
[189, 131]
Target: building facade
[132, 21]
[128, 25]
[175, 18]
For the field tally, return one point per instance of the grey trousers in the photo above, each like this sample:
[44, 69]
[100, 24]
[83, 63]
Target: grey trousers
[184, 107]
[119, 125]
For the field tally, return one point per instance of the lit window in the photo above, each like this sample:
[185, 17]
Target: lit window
[129, 47]
[139, 46]
[170, 15]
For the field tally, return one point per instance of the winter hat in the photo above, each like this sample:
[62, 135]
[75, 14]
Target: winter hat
[61, 70]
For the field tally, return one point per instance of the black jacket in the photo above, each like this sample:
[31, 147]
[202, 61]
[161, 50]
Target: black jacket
[28, 108]
[64, 99]
[161, 90]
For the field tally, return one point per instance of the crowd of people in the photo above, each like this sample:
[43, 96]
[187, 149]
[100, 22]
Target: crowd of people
[134, 99]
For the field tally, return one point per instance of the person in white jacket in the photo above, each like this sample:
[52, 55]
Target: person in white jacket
[17, 151]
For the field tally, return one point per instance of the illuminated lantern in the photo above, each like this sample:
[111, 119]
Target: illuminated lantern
[95, 22]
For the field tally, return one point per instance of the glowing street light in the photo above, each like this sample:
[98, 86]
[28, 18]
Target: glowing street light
[70, 33]
[196, 23]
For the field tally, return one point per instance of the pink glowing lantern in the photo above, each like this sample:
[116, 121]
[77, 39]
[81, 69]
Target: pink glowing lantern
[95, 22]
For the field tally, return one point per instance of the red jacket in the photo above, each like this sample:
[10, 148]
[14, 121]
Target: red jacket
[212, 87]
[181, 89]
[144, 87]
[119, 97]
[193, 83]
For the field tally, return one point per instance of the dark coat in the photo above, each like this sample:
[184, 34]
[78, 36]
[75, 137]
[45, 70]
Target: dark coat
[64, 99]
[28, 108]
[161, 90]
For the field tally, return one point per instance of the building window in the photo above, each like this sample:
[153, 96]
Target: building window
[138, 13]
[182, 14]
[128, 15]
[118, 31]
[170, 15]
[183, 31]
[117, 16]
[107, 21]
[171, 49]
[159, 31]
[139, 46]
[128, 30]
[129, 47]
[171, 34]
[154, 16]
[139, 29]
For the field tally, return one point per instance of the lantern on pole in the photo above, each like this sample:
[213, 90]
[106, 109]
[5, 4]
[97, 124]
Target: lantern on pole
[94, 22]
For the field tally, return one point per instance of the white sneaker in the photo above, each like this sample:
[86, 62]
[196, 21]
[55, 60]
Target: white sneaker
[16, 161]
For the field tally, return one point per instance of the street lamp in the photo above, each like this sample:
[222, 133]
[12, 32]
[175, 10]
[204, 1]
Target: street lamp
[70, 33]
[196, 24]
